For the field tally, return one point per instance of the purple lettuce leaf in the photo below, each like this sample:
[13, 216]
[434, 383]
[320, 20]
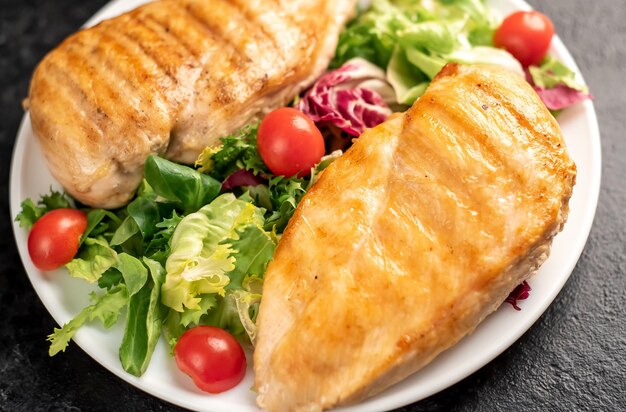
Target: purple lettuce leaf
[521, 292]
[240, 178]
[350, 98]
[561, 96]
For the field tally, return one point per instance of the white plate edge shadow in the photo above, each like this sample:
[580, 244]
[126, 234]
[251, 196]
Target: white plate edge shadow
[428, 381]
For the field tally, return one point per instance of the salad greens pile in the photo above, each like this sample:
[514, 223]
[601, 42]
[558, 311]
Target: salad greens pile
[413, 40]
[185, 251]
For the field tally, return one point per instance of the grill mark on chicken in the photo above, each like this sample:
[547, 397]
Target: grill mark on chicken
[72, 97]
[512, 110]
[103, 95]
[223, 88]
[245, 65]
[173, 55]
[217, 33]
[248, 39]
[113, 82]
[72, 83]
[463, 131]
[143, 67]
[190, 35]
[113, 47]
[439, 173]
[500, 154]
[137, 34]
[162, 30]
[511, 113]
[139, 101]
[250, 15]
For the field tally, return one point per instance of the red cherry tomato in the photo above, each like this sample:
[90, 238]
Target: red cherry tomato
[212, 357]
[526, 35]
[289, 142]
[54, 239]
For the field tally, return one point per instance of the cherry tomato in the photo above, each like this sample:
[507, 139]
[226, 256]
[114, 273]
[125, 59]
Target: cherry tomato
[54, 239]
[289, 142]
[526, 35]
[212, 357]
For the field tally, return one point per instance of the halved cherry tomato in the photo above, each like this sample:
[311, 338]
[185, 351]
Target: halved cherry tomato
[54, 239]
[212, 357]
[526, 35]
[289, 142]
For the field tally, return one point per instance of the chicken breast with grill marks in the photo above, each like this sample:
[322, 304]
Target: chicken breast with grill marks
[172, 77]
[410, 239]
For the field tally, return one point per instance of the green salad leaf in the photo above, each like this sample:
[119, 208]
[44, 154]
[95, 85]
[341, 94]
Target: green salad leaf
[31, 212]
[133, 271]
[191, 317]
[105, 307]
[212, 252]
[414, 39]
[145, 319]
[237, 151]
[182, 185]
[254, 248]
[94, 258]
[552, 73]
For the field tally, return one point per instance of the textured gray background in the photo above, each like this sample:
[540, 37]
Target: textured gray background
[573, 358]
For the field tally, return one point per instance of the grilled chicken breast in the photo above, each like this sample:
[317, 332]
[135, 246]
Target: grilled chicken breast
[172, 77]
[410, 239]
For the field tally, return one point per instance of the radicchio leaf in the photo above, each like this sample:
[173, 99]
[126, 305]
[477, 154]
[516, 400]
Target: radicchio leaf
[350, 97]
[561, 96]
[556, 84]
[241, 177]
[521, 292]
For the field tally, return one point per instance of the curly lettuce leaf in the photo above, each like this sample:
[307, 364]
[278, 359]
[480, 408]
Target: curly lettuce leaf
[105, 307]
[552, 72]
[225, 315]
[247, 300]
[408, 83]
[285, 194]
[158, 248]
[31, 212]
[237, 152]
[99, 221]
[253, 248]
[191, 317]
[214, 251]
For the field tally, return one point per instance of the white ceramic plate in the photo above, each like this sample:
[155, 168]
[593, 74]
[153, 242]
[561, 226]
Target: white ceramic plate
[64, 297]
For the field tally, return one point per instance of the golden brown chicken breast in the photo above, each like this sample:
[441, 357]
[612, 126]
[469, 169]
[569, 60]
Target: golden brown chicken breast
[171, 77]
[409, 240]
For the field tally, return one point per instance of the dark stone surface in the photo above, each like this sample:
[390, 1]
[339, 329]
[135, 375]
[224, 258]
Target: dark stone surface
[572, 359]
